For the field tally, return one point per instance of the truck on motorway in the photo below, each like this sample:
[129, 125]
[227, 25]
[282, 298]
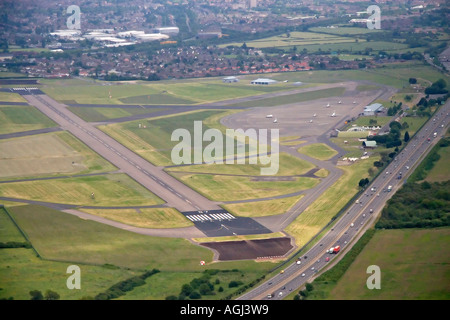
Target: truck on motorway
[334, 249]
[435, 134]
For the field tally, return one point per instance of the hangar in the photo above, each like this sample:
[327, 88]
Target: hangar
[263, 81]
[373, 109]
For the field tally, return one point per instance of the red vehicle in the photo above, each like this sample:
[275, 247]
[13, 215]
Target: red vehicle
[334, 250]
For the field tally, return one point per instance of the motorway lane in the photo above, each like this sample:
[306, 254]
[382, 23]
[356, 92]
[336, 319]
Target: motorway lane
[342, 233]
[175, 193]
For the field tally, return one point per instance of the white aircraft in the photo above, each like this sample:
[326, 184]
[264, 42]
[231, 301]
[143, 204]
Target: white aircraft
[275, 120]
[315, 115]
[310, 121]
[269, 116]
[340, 102]
[333, 114]
[328, 105]
[354, 102]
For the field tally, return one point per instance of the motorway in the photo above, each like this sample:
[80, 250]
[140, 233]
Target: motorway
[359, 216]
[175, 193]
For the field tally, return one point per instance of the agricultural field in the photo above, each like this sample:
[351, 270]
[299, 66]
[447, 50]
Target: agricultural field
[48, 155]
[441, 170]
[397, 253]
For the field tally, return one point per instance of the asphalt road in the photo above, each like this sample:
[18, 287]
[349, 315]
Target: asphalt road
[359, 216]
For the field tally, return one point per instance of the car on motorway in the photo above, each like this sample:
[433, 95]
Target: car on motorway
[303, 274]
[327, 259]
[299, 262]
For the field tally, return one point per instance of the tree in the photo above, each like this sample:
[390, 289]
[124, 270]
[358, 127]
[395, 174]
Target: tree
[51, 295]
[36, 295]
[363, 182]
[406, 138]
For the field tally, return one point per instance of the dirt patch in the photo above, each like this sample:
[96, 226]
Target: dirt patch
[250, 249]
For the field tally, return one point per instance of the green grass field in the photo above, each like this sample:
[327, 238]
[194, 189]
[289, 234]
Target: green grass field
[93, 114]
[233, 188]
[158, 93]
[293, 98]
[109, 190]
[22, 118]
[412, 267]
[48, 154]
[319, 213]
[154, 142]
[441, 170]
[62, 240]
[318, 151]
[262, 208]
[144, 218]
[289, 165]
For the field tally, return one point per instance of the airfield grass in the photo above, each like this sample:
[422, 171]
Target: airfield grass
[154, 142]
[48, 154]
[157, 93]
[293, 98]
[93, 114]
[8, 231]
[109, 190]
[233, 188]
[289, 166]
[262, 208]
[412, 267]
[106, 255]
[159, 218]
[391, 75]
[22, 118]
[322, 173]
[324, 208]
[318, 151]
[11, 97]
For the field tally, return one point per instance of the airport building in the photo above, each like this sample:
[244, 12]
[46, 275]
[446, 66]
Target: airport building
[263, 81]
[373, 109]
